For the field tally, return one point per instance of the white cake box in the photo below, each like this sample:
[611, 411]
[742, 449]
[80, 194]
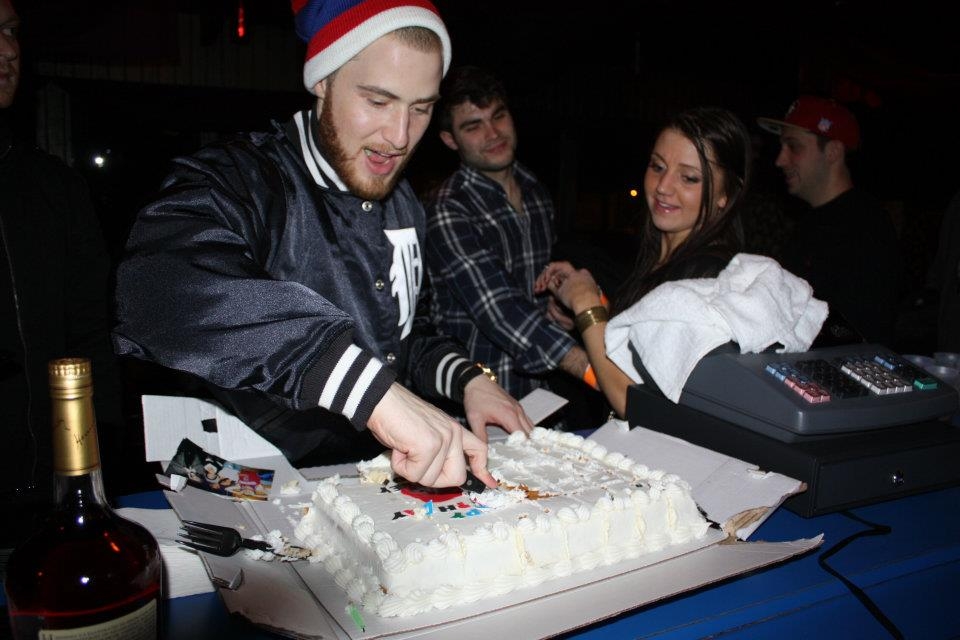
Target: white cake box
[300, 599]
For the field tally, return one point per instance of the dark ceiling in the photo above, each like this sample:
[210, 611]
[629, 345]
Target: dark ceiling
[601, 74]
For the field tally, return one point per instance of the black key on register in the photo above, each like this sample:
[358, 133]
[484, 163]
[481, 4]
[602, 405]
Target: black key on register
[829, 376]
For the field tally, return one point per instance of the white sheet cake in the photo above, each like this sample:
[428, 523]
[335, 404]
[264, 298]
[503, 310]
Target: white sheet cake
[564, 505]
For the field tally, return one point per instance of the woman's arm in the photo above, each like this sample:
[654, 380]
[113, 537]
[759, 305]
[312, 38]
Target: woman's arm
[578, 291]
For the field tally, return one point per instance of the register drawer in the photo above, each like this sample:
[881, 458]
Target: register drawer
[841, 472]
[909, 468]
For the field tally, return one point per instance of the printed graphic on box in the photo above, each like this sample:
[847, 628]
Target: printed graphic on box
[212, 473]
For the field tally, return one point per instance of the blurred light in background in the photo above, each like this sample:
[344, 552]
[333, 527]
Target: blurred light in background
[100, 159]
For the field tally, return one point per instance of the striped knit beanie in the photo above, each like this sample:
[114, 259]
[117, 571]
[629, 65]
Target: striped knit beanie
[337, 30]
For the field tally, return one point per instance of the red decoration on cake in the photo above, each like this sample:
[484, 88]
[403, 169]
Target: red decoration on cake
[425, 494]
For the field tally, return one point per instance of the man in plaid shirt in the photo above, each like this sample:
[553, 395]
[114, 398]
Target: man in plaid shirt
[489, 234]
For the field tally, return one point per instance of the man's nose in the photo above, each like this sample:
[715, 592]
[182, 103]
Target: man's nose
[397, 130]
[781, 160]
[9, 47]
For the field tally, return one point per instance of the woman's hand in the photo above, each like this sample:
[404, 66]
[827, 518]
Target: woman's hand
[576, 290]
[555, 272]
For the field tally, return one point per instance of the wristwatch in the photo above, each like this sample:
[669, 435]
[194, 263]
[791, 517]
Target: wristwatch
[478, 369]
[487, 371]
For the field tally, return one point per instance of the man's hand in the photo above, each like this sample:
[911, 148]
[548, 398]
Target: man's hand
[553, 274]
[576, 290]
[485, 402]
[559, 315]
[428, 446]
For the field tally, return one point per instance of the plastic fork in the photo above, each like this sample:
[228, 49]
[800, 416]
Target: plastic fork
[217, 539]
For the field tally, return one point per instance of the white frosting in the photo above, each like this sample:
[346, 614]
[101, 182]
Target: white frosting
[376, 471]
[290, 488]
[565, 505]
[280, 548]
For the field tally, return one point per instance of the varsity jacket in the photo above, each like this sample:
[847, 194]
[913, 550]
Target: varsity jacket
[258, 271]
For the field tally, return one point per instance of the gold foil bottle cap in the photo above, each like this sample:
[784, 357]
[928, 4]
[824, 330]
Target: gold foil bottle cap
[75, 448]
[70, 373]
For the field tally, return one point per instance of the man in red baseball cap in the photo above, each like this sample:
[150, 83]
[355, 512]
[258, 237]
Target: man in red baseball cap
[815, 136]
[846, 246]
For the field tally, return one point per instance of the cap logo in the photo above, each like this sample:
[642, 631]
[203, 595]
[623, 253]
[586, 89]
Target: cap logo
[820, 116]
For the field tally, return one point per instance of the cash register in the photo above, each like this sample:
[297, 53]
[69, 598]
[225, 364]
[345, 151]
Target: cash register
[857, 422]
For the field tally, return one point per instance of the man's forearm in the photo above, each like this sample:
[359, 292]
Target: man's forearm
[575, 362]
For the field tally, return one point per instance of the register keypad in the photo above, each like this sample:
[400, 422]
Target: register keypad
[819, 380]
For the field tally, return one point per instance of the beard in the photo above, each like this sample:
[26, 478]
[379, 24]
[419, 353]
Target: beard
[367, 187]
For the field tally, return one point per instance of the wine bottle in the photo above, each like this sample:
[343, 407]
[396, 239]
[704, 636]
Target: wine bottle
[85, 572]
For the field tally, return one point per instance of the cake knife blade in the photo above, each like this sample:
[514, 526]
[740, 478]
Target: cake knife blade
[473, 484]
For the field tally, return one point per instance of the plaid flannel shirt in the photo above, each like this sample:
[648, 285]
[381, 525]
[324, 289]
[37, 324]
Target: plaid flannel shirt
[482, 259]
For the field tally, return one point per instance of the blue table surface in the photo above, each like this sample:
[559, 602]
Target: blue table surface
[912, 575]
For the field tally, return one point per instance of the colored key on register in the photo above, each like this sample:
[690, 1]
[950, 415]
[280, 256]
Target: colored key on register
[801, 384]
[921, 379]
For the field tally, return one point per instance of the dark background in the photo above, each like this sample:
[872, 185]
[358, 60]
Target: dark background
[589, 84]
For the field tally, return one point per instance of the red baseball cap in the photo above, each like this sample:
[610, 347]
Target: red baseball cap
[821, 116]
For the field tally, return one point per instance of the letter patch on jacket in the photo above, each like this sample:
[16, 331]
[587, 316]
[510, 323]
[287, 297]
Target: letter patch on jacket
[406, 274]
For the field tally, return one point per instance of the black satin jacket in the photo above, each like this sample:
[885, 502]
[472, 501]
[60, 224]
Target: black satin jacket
[254, 272]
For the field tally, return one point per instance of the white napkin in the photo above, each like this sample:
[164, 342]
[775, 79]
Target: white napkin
[183, 571]
[753, 301]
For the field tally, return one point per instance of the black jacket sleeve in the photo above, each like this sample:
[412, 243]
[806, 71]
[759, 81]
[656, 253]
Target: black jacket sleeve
[198, 290]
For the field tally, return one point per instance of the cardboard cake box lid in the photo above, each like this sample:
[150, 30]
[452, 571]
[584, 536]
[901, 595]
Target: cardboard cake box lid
[734, 493]
[300, 600]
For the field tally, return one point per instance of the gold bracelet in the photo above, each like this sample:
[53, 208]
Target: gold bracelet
[487, 371]
[590, 317]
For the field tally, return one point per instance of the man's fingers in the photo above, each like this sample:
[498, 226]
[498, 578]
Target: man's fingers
[453, 468]
[476, 452]
[524, 423]
[438, 469]
[478, 428]
[405, 467]
[527, 422]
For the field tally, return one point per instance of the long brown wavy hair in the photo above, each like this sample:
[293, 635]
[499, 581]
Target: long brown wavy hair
[723, 141]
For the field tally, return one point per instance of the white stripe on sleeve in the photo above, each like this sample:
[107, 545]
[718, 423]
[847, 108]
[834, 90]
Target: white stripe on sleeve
[440, 370]
[448, 383]
[363, 383]
[336, 376]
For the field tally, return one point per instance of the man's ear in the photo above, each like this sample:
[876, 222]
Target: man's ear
[448, 140]
[320, 89]
[835, 151]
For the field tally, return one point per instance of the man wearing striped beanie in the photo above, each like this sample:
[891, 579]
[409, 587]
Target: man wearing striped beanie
[359, 35]
[284, 269]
